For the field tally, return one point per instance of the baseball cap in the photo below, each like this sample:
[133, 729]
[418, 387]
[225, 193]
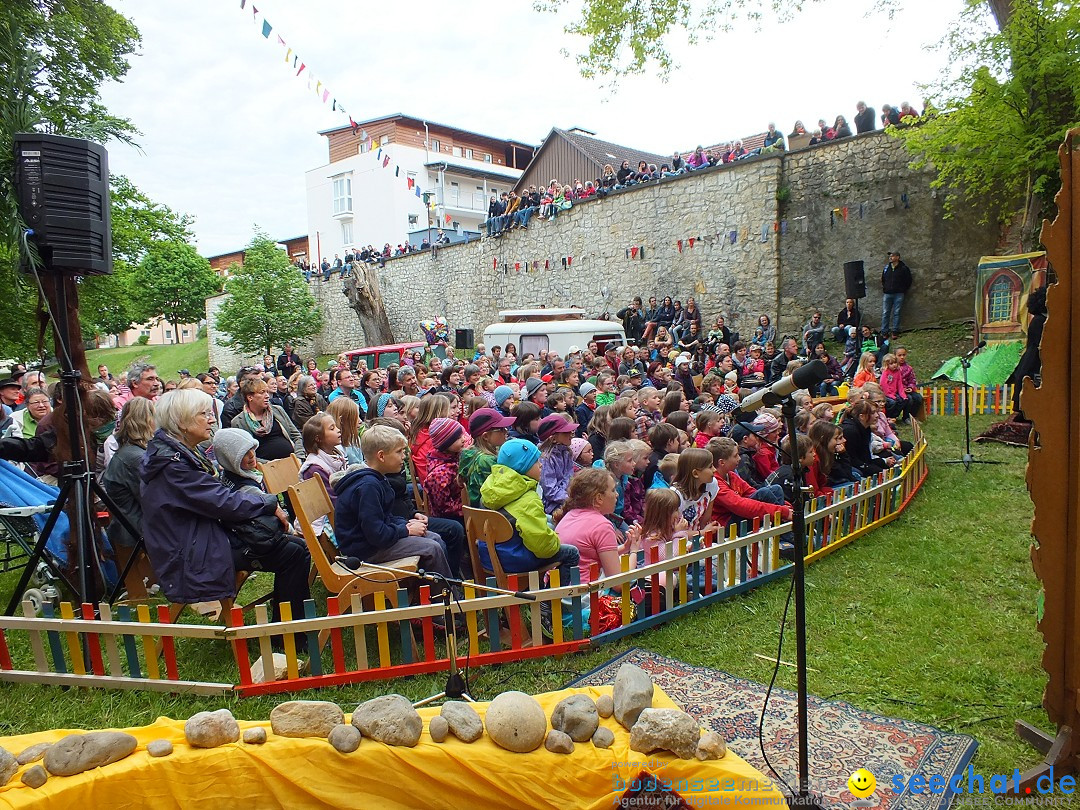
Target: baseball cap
[634, 372]
[487, 419]
[554, 423]
[743, 429]
[573, 350]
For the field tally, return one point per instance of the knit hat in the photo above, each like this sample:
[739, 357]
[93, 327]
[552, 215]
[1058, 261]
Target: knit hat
[576, 446]
[519, 455]
[532, 385]
[727, 403]
[381, 403]
[503, 393]
[767, 422]
[585, 389]
[230, 447]
[554, 423]
[487, 419]
[444, 432]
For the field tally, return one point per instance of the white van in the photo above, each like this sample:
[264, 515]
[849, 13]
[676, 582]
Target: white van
[554, 330]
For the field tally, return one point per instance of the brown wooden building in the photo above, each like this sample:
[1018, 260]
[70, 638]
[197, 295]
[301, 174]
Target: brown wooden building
[296, 248]
[574, 154]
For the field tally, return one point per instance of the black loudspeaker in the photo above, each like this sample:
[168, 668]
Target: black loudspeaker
[62, 186]
[463, 339]
[854, 280]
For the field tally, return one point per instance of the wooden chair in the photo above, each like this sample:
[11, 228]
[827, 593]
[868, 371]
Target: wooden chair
[280, 474]
[490, 528]
[419, 495]
[311, 502]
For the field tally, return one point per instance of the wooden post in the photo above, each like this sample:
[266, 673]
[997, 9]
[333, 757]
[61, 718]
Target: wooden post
[1053, 479]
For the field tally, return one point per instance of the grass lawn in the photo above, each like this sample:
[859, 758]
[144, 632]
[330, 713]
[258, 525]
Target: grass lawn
[930, 618]
[193, 356]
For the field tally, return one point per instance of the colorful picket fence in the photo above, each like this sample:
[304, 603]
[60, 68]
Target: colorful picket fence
[949, 400]
[113, 649]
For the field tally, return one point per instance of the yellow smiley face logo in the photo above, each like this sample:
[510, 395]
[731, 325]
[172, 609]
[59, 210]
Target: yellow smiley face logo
[861, 783]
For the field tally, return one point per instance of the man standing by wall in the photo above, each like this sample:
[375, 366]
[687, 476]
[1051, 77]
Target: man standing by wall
[895, 282]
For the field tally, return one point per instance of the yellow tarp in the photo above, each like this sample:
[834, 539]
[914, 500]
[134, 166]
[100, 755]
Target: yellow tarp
[309, 773]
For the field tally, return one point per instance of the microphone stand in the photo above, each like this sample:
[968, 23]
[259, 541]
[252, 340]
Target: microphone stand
[803, 798]
[456, 688]
[967, 459]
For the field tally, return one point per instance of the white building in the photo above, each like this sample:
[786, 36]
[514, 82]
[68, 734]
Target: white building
[367, 192]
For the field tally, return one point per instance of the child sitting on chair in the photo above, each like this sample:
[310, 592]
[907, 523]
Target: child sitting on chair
[262, 543]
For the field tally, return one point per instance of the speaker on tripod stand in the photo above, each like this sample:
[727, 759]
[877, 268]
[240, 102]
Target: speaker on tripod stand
[62, 187]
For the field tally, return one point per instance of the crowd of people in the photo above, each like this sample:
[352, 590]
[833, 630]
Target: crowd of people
[607, 452]
[367, 255]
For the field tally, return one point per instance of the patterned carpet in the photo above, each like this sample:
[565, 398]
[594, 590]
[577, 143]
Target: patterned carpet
[843, 738]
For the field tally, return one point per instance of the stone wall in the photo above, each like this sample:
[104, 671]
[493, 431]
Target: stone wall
[888, 206]
[787, 257]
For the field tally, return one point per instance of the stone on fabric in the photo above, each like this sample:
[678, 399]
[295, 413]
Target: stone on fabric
[345, 739]
[438, 728]
[159, 748]
[255, 736]
[76, 753]
[211, 729]
[605, 706]
[305, 718]
[633, 692]
[576, 716]
[665, 729]
[559, 742]
[603, 738]
[516, 722]
[8, 766]
[465, 723]
[711, 746]
[33, 753]
[35, 777]
[390, 719]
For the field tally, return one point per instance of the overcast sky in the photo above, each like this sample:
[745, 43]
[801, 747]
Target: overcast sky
[228, 130]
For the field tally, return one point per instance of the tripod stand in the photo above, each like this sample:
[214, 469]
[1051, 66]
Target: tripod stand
[968, 459]
[456, 687]
[78, 484]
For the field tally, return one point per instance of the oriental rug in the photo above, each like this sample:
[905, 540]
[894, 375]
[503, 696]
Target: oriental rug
[843, 738]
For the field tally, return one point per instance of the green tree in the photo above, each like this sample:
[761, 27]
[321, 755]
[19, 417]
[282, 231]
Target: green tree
[1012, 95]
[54, 56]
[173, 281]
[267, 302]
[110, 304]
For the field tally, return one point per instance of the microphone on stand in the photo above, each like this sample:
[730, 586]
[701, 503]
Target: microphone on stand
[804, 376]
[973, 352]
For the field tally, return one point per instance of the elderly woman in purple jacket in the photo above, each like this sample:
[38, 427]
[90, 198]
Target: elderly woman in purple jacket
[186, 509]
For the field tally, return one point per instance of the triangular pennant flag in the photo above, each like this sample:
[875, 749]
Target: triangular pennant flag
[288, 56]
[628, 253]
[386, 161]
[295, 59]
[633, 252]
[832, 217]
[325, 95]
[412, 183]
[374, 143]
[254, 11]
[495, 264]
[746, 233]
[691, 240]
[243, 3]
[333, 107]
[301, 70]
[569, 260]
[267, 28]
[417, 189]
[783, 227]
[280, 41]
[378, 155]
[844, 210]
[733, 236]
[641, 252]
[776, 227]
[448, 219]
[678, 244]
[517, 266]
[397, 171]
[765, 232]
[547, 264]
[318, 86]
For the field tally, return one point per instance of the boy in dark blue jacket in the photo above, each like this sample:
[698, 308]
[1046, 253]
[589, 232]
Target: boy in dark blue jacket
[365, 524]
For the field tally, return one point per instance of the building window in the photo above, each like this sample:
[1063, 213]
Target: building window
[342, 195]
[413, 219]
[145, 333]
[434, 145]
[346, 233]
[487, 158]
[468, 154]
[999, 301]
[456, 151]
[168, 334]
[186, 332]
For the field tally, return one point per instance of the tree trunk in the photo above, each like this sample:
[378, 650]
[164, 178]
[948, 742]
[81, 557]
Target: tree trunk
[1002, 10]
[365, 298]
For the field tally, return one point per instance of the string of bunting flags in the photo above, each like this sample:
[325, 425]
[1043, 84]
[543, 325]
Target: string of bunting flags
[723, 238]
[322, 92]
